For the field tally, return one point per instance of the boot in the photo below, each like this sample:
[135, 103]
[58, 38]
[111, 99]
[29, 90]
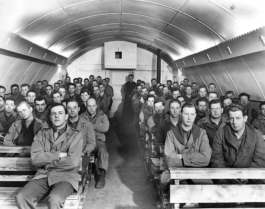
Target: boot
[101, 180]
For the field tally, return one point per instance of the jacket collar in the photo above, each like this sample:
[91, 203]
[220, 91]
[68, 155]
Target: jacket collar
[261, 119]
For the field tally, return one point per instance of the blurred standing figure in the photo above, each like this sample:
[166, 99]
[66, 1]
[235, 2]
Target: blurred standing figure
[128, 88]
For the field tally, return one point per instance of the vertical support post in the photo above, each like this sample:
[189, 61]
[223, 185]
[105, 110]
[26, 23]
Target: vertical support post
[158, 65]
[176, 206]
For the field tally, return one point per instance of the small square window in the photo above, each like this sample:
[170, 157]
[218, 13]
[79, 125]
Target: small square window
[118, 55]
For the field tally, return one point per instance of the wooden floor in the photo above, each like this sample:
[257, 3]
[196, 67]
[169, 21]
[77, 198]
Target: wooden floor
[126, 184]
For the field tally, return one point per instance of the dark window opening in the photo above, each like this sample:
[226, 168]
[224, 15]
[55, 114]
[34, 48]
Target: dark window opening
[118, 55]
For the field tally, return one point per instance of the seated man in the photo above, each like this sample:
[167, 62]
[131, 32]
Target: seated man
[15, 95]
[201, 111]
[24, 89]
[31, 96]
[214, 120]
[71, 93]
[48, 96]
[259, 123]
[212, 87]
[22, 132]
[154, 121]
[166, 94]
[212, 95]
[188, 96]
[40, 104]
[101, 101]
[56, 152]
[249, 111]
[147, 112]
[8, 116]
[187, 145]
[85, 95]
[2, 91]
[238, 144]
[175, 94]
[100, 124]
[181, 99]
[102, 94]
[57, 97]
[202, 93]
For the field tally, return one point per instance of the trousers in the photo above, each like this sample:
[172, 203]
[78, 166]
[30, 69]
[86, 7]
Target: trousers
[29, 196]
[102, 155]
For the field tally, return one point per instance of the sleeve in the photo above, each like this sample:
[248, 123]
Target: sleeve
[90, 139]
[255, 124]
[159, 139]
[104, 106]
[39, 156]
[151, 125]
[103, 126]
[141, 121]
[200, 158]
[10, 136]
[72, 159]
[171, 152]
[258, 159]
[217, 160]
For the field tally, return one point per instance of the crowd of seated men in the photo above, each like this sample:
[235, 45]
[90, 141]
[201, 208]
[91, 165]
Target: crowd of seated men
[198, 128]
[59, 122]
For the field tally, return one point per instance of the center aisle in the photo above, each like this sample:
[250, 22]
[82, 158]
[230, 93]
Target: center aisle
[126, 182]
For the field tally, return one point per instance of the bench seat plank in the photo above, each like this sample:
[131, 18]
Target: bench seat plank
[14, 149]
[16, 164]
[16, 177]
[217, 173]
[216, 193]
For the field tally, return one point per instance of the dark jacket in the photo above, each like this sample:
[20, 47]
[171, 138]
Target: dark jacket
[145, 114]
[137, 103]
[6, 123]
[211, 129]
[154, 121]
[100, 124]
[18, 99]
[102, 104]
[45, 151]
[259, 123]
[251, 113]
[226, 154]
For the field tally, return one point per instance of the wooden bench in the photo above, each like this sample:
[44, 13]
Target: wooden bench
[15, 172]
[216, 193]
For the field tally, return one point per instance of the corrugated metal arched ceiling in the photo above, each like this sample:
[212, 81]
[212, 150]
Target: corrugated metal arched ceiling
[178, 27]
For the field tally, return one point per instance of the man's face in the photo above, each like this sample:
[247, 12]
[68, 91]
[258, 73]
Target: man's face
[188, 116]
[159, 108]
[202, 92]
[95, 83]
[91, 78]
[9, 106]
[2, 102]
[91, 106]
[262, 110]
[130, 78]
[56, 87]
[175, 85]
[165, 91]
[150, 102]
[188, 90]
[57, 98]
[45, 83]
[186, 82]
[107, 80]
[182, 100]
[237, 120]
[227, 102]
[144, 92]
[181, 87]
[139, 89]
[169, 83]
[31, 96]
[40, 106]
[99, 79]
[58, 116]
[216, 111]
[229, 96]
[78, 87]
[62, 91]
[244, 100]
[72, 109]
[202, 106]
[104, 82]
[86, 82]
[48, 90]
[75, 81]
[71, 89]
[194, 86]
[60, 82]
[85, 96]
[15, 90]
[101, 88]
[176, 94]
[142, 84]
[24, 111]
[2, 92]
[38, 85]
[67, 80]
[153, 82]
[152, 93]
[212, 88]
[212, 96]
[174, 110]
[96, 91]
[24, 90]
[79, 80]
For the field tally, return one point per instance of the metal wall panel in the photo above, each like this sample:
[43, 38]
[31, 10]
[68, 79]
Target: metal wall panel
[30, 73]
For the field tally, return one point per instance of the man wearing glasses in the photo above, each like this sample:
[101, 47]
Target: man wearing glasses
[214, 120]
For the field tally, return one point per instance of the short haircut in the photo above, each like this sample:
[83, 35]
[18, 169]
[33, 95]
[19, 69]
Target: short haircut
[24, 85]
[14, 85]
[229, 92]
[159, 100]
[31, 91]
[107, 79]
[139, 80]
[49, 86]
[3, 98]
[56, 84]
[85, 90]
[189, 105]
[215, 101]
[202, 99]
[79, 78]
[71, 84]
[90, 99]
[95, 81]
[62, 87]
[186, 79]
[98, 76]
[71, 100]
[212, 84]
[11, 99]
[150, 96]
[56, 105]
[45, 81]
[39, 99]
[24, 102]
[165, 87]
[260, 105]
[236, 107]
[151, 90]
[175, 82]
[39, 82]
[137, 85]
[144, 88]
[169, 81]
[180, 96]
[188, 86]
[75, 79]
[244, 94]
[130, 75]
[228, 98]
[101, 84]
[91, 76]
[143, 82]
[153, 79]
[86, 79]
[175, 89]
[77, 83]
[203, 87]
[174, 101]
[181, 84]
[213, 92]
[2, 87]
[57, 92]
[95, 87]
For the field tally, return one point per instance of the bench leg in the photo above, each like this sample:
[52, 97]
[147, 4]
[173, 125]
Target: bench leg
[176, 205]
